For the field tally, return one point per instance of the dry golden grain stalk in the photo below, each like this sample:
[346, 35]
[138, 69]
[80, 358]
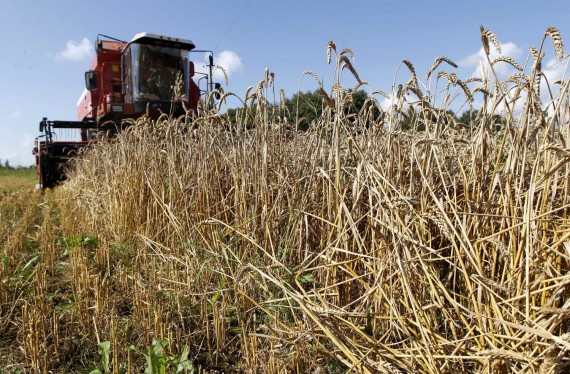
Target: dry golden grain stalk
[508, 60]
[347, 51]
[331, 46]
[358, 85]
[380, 92]
[466, 91]
[259, 87]
[224, 73]
[473, 79]
[556, 40]
[437, 62]
[487, 35]
[347, 64]
[411, 68]
[328, 100]
[247, 91]
[282, 101]
[314, 75]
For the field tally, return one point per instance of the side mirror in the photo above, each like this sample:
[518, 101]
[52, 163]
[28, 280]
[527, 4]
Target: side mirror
[43, 124]
[91, 80]
[217, 87]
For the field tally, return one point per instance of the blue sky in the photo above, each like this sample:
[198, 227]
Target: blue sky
[47, 45]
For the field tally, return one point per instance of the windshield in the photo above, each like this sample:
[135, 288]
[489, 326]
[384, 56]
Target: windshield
[155, 71]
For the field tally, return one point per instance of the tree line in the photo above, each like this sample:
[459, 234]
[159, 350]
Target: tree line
[308, 108]
[7, 166]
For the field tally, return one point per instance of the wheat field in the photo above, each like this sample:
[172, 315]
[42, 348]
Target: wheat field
[354, 246]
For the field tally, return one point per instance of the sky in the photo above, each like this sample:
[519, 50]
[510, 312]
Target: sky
[48, 45]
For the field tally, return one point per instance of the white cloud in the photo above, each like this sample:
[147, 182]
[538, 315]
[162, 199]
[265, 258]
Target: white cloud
[508, 49]
[27, 142]
[76, 51]
[16, 114]
[228, 60]
[231, 63]
[553, 70]
[386, 103]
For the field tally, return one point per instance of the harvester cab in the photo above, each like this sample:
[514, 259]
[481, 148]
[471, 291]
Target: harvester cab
[151, 74]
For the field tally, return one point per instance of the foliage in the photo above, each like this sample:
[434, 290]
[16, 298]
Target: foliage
[104, 350]
[307, 107]
[157, 361]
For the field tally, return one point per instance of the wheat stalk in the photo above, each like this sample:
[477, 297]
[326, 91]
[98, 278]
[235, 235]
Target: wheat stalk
[224, 73]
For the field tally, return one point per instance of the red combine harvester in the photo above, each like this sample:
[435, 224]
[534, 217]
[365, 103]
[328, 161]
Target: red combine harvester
[125, 81]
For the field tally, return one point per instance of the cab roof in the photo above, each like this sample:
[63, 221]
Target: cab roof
[163, 40]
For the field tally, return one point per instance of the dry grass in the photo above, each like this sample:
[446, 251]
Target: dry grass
[14, 179]
[354, 246]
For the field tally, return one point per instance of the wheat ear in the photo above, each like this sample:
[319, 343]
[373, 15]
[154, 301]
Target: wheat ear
[411, 68]
[330, 47]
[347, 64]
[508, 60]
[312, 74]
[556, 40]
[349, 52]
[436, 63]
[487, 35]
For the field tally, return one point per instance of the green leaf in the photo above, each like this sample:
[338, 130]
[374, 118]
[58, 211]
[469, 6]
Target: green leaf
[64, 305]
[217, 294]
[104, 349]
[184, 363]
[5, 261]
[215, 297]
[89, 241]
[368, 328]
[306, 278]
[66, 243]
[156, 359]
[31, 262]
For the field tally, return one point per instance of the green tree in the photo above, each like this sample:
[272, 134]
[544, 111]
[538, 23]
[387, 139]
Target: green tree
[308, 107]
[414, 120]
[410, 120]
[358, 99]
[232, 115]
[468, 116]
[495, 121]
